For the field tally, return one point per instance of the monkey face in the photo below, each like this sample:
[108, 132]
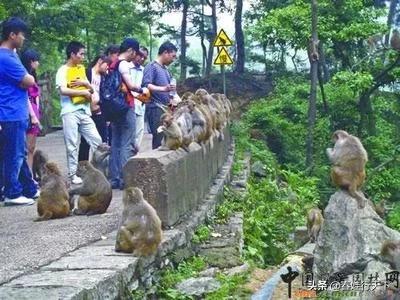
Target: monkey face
[133, 194]
[82, 168]
[104, 148]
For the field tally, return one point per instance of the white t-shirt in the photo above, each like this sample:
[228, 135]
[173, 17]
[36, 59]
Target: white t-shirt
[66, 103]
[136, 73]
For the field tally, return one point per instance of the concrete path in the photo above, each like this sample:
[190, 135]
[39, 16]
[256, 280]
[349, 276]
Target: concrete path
[27, 245]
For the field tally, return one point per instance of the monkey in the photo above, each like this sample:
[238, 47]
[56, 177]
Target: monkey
[185, 123]
[380, 208]
[395, 40]
[140, 227]
[198, 122]
[314, 223]
[53, 201]
[390, 253]
[348, 157]
[374, 42]
[312, 51]
[38, 162]
[101, 158]
[172, 133]
[95, 192]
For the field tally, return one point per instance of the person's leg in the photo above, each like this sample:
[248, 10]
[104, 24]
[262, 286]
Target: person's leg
[139, 131]
[70, 129]
[88, 130]
[83, 150]
[101, 126]
[17, 176]
[115, 155]
[154, 114]
[127, 138]
[31, 145]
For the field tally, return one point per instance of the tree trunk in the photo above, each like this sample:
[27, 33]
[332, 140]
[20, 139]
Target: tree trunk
[150, 42]
[312, 108]
[392, 10]
[212, 37]
[183, 40]
[88, 45]
[203, 46]
[367, 117]
[239, 36]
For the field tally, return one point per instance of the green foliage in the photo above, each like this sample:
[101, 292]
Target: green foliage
[201, 234]
[393, 219]
[170, 277]
[231, 288]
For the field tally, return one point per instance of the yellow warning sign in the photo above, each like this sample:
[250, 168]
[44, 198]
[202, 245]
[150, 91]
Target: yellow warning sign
[222, 39]
[223, 58]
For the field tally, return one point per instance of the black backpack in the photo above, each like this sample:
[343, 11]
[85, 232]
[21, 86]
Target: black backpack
[112, 100]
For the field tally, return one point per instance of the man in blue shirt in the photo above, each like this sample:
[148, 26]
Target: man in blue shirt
[157, 79]
[19, 187]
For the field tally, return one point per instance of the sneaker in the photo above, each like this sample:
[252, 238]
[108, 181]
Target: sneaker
[21, 200]
[76, 180]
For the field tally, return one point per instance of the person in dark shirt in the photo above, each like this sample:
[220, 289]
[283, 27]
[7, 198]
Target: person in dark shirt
[157, 79]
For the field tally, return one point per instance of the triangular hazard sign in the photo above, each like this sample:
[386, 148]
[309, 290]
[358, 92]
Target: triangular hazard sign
[222, 39]
[223, 58]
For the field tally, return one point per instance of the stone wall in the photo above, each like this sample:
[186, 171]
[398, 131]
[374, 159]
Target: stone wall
[175, 182]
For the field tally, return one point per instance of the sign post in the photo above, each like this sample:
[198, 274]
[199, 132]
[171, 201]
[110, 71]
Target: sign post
[223, 58]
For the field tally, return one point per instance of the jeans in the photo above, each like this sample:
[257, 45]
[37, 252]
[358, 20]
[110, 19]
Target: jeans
[15, 174]
[123, 135]
[153, 116]
[74, 123]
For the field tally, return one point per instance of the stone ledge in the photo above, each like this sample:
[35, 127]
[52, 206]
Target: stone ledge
[175, 182]
[97, 272]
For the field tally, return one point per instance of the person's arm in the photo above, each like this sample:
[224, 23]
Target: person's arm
[27, 81]
[123, 68]
[61, 84]
[84, 83]
[148, 79]
[34, 119]
[14, 70]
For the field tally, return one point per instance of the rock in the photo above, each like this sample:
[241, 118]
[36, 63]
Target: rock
[237, 270]
[350, 239]
[258, 169]
[198, 286]
[211, 272]
[225, 250]
[300, 235]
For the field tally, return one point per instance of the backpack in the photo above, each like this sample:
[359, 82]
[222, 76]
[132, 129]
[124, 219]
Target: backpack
[112, 99]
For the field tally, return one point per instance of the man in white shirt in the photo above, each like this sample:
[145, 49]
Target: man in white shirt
[137, 75]
[75, 117]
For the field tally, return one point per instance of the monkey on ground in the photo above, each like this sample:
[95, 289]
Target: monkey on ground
[172, 133]
[348, 157]
[140, 227]
[38, 162]
[314, 223]
[95, 192]
[390, 252]
[53, 201]
[101, 158]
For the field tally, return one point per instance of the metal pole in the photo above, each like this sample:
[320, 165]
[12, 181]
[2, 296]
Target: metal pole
[223, 78]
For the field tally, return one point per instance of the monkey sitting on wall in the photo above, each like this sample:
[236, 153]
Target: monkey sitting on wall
[101, 158]
[140, 227]
[95, 192]
[314, 223]
[38, 161]
[172, 133]
[348, 157]
[53, 201]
